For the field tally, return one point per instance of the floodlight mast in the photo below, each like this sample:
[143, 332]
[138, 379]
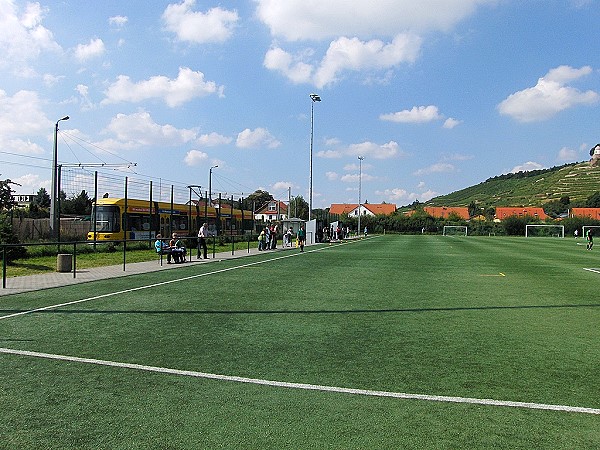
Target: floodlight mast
[314, 98]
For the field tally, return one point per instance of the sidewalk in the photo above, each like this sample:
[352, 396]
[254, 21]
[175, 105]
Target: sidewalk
[29, 283]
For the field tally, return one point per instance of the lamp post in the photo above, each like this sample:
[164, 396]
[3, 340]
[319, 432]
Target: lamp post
[210, 183]
[360, 160]
[314, 98]
[54, 194]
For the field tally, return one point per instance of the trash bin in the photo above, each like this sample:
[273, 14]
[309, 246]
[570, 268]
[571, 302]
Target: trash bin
[64, 262]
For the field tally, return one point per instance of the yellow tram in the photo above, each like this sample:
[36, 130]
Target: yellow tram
[114, 219]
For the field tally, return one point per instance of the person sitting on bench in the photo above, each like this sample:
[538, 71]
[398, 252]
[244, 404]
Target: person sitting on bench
[162, 248]
[177, 249]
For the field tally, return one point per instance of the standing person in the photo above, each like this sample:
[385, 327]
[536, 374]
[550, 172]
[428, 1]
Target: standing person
[365, 231]
[301, 237]
[290, 233]
[261, 241]
[590, 239]
[274, 231]
[202, 235]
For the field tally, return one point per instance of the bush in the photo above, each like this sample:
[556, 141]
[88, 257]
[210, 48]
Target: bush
[7, 237]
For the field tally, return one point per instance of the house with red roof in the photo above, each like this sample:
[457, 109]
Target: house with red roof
[503, 212]
[272, 210]
[593, 213]
[366, 209]
[445, 211]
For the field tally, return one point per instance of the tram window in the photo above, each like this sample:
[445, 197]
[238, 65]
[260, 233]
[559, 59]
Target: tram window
[107, 219]
[138, 222]
[180, 222]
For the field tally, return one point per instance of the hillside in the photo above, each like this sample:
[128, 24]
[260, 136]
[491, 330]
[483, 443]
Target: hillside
[577, 181]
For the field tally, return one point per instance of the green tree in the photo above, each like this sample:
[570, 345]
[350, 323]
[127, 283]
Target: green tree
[42, 198]
[256, 200]
[299, 207]
[80, 205]
[7, 200]
[593, 200]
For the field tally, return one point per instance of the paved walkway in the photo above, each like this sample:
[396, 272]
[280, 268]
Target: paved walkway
[28, 283]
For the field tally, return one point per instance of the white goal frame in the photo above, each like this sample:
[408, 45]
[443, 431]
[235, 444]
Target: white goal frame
[585, 227]
[454, 227]
[560, 227]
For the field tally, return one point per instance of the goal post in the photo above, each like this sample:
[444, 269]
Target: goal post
[595, 228]
[545, 231]
[455, 230]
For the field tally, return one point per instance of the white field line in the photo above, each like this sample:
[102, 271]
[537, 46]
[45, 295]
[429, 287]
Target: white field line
[304, 386]
[163, 283]
[592, 270]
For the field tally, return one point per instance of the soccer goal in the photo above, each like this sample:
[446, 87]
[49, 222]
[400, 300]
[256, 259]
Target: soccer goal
[595, 229]
[455, 230]
[545, 231]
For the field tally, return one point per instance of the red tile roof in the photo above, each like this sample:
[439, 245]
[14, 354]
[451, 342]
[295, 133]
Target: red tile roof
[445, 211]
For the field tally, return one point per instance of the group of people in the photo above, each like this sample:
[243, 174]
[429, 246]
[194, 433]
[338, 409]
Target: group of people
[267, 238]
[174, 248]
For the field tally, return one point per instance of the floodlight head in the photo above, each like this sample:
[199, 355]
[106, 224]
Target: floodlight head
[315, 97]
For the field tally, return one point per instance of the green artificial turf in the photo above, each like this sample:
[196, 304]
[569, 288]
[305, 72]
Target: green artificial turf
[510, 319]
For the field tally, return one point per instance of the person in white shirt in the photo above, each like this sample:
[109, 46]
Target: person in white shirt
[202, 235]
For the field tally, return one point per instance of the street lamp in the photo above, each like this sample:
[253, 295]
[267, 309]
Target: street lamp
[314, 98]
[54, 194]
[210, 183]
[360, 160]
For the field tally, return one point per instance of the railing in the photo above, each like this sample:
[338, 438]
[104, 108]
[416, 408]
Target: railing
[71, 248]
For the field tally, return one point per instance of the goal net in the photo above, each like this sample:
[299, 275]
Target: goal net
[595, 230]
[455, 230]
[545, 231]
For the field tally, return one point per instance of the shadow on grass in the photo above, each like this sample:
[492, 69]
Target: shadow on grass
[323, 311]
[38, 267]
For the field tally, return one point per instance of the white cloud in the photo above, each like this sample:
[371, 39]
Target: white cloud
[418, 114]
[296, 20]
[343, 54]
[329, 154]
[567, 154]
[331, 176]
[139, 130]
[281, 186]
[22, 116]
[372, 150]
[216, 25]
[187, 86]
[259, 137]
[549, 96]
[51, 80]
[22, 35]
[435, 168]
[356, 55]
[527, 167]
[354, 177]
[195, 157]
[213, 139]
[450, 123]
[31, 183]
[399, 195]
[118, 21]
[94, 49]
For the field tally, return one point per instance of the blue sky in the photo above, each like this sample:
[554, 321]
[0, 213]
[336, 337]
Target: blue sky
[436, 95]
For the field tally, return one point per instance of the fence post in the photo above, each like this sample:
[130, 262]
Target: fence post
[74, 259]
[4, 267]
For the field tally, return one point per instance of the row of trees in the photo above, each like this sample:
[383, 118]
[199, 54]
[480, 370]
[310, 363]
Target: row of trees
[79, 205]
